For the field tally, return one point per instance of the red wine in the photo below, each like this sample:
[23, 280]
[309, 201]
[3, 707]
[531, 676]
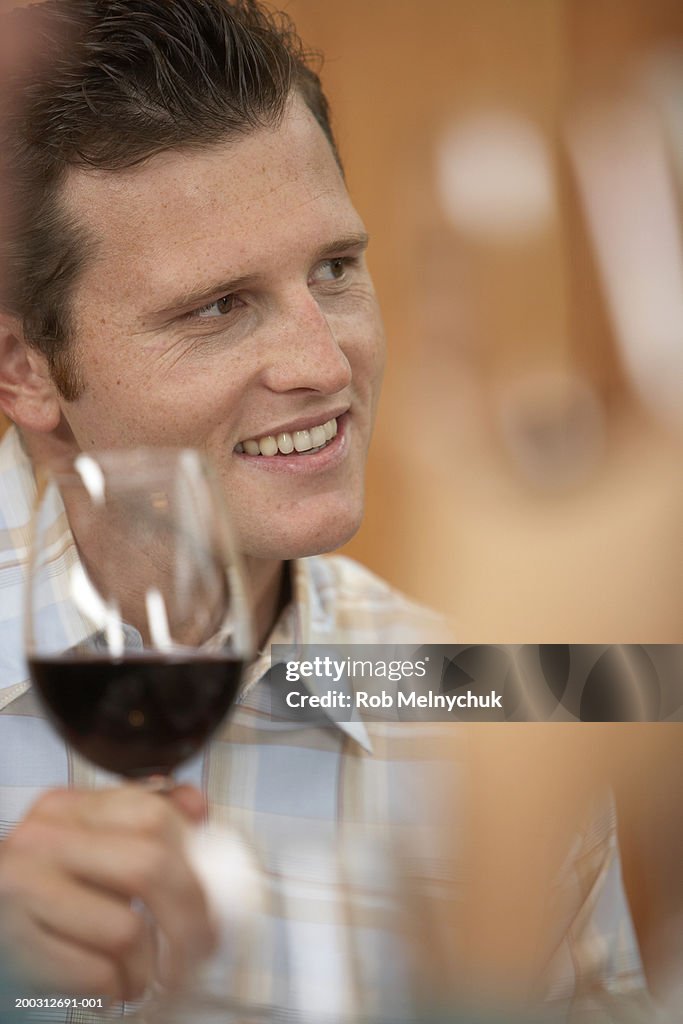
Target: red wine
[141, 715]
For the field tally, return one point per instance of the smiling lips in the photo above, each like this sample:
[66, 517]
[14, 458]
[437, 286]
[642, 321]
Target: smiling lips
[300, 441]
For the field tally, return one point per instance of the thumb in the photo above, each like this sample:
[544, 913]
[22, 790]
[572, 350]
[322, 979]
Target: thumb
[190, 802]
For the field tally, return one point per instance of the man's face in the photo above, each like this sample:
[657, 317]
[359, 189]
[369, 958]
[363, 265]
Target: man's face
[228, 302]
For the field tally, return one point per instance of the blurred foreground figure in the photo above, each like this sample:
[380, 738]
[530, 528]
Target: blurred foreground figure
[182, 264]
[482, 938]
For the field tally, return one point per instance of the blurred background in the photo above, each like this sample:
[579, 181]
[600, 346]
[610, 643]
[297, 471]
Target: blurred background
[519, 165]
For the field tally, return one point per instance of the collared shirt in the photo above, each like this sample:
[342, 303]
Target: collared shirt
[325, 806]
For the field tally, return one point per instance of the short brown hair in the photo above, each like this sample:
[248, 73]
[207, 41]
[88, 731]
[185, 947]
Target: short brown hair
[113, 83]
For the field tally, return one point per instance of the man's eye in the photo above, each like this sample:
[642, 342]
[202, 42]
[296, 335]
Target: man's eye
[334, 269]
[212, 310]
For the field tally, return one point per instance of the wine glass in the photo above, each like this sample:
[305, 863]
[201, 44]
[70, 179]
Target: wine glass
[137, 622]
[137, 618]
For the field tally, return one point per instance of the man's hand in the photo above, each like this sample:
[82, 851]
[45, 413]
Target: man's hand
[72, 876]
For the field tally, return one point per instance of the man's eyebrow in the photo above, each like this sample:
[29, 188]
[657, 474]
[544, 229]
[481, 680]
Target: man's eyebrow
[196, 297]
[357, 240]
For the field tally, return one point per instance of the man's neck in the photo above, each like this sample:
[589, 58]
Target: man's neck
[270, 592]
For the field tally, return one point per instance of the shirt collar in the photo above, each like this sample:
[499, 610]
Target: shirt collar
[308, 619]
[17, 490]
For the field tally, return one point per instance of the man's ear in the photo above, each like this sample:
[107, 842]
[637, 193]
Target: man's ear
[27, 393]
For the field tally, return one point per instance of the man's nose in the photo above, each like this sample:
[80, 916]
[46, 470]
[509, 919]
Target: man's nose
[306, 349]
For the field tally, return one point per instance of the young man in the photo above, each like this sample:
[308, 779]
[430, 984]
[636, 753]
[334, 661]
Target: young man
[183, 265]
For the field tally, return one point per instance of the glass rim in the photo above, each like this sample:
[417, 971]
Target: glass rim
[67, 463]
[111, 460]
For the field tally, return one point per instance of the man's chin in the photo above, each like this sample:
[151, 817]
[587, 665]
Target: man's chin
[305, 539]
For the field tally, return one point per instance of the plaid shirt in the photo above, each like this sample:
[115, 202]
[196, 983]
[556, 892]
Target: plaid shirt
[324, 806]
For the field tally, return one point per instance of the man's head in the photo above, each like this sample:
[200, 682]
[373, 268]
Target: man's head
[111, 83]
[183, 263]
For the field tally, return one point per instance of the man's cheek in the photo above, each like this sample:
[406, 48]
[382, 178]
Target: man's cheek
[378, 362]
[371, 355]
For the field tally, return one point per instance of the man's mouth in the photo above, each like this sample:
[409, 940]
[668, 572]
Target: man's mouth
[300, 442]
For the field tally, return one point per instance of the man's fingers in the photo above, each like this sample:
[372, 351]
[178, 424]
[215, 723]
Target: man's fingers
[50, 963]
[78, 861]
[104, 925]
[75, 917]
[120, 867]
[129, 808]
[62, 906]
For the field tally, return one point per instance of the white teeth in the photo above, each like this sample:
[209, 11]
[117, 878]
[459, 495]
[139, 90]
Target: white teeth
[318, 437]
[285, 443]
[268, 446]
[301, 441]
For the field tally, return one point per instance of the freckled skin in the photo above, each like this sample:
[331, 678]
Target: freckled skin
[297, 344]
